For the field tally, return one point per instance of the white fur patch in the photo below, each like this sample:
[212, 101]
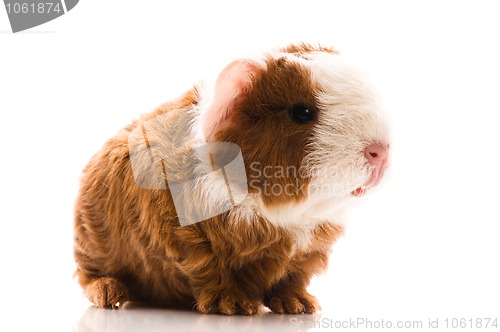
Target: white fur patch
[350, 119]
[299, 220]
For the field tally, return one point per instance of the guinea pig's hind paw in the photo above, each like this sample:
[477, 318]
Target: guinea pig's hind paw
[293, 303]
[107, 293]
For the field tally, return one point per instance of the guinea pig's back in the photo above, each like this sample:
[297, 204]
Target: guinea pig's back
[119, 226]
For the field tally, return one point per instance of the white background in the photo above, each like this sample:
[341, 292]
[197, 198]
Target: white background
[423, 245]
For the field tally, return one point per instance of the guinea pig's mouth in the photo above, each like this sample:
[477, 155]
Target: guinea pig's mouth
[376, 174]
[360, 191]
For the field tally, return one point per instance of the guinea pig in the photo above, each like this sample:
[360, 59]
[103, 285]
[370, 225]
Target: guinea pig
[224, 199]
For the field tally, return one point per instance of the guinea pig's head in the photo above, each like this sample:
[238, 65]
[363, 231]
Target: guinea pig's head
[310, 128]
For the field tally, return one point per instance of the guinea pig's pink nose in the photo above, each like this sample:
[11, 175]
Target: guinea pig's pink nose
[377, 155]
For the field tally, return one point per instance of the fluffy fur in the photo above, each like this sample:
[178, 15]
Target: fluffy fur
[129, 244]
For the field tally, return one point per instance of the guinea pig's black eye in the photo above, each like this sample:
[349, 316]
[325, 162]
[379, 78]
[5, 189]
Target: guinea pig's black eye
[301, 114]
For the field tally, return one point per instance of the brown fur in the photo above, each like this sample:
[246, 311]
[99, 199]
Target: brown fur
[129, 244]
[304, 48]
[263, 117]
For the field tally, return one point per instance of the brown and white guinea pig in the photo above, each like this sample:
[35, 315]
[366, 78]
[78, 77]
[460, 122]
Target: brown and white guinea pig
[310, 135]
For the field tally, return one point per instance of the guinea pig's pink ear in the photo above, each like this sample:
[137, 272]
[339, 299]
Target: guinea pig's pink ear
[231, 85]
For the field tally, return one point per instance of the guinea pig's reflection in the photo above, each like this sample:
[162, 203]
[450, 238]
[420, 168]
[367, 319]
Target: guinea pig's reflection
[138, 317]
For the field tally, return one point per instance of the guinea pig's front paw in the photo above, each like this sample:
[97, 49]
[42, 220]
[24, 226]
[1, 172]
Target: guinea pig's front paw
[226, 302]
[293, 301]
[107, 292]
